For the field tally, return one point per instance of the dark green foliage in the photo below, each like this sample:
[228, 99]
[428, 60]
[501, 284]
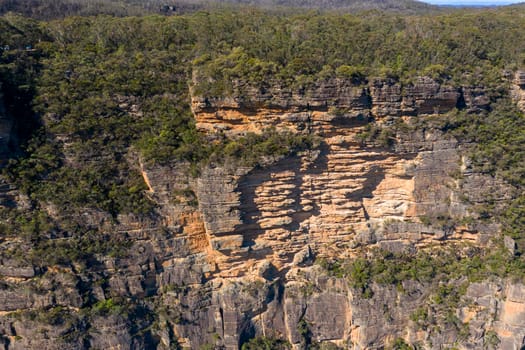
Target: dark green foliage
[498, 138]
[333, 267]
[303, 328]
[88, 91]
[52, 316]
[359, 276]
[169, 132]
[264, 343]
[386, 268]
[107, 186]
[47, 241]
[377, 135]
[400, 344]
[108, 307]
[514, 218]
[383, 44]
[497, 149]
[20, 55]
[249, 150]
[420, 317]
[216, 76]
[83, 246]
[356, 74]
[255, 149]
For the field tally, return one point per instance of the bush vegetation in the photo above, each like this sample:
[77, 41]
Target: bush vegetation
[266, 343]
[109, 90]
[444, 265]
[94, 97]
[497, 138]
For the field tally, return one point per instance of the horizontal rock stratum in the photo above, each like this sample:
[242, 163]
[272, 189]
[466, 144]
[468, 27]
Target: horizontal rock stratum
[239, 252]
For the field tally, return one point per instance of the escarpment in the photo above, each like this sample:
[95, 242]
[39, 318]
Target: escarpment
[348, 192]
[238, 178]
[240, 252]
[289, 107]
[352, 193]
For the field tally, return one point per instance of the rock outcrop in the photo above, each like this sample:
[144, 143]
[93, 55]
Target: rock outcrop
[518, 89]
[254, 108]
[346, 193]
[231, 254]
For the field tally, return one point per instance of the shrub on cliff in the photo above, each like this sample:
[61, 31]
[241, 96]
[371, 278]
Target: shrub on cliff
[266, 343]
[356, 74]
[257, 149]
[497, 149]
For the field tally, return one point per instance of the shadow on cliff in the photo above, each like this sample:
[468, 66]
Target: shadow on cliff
[252, 212]
[374, 177]
[289, 214]
[248, 329]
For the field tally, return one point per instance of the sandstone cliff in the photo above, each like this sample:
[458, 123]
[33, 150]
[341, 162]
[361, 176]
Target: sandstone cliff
[350, 191]
[235, 253]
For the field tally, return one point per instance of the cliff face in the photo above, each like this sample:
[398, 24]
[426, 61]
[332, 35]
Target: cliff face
[349, 192]
[254, 108]
[348, 195]
[235, 252]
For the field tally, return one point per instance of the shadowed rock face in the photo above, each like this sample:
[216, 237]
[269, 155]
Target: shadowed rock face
[6, 126]
[345, 194]
[336, 200]
[6, 131]
[240, 264]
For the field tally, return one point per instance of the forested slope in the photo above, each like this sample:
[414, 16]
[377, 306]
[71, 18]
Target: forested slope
[220, 177]
[49, 9]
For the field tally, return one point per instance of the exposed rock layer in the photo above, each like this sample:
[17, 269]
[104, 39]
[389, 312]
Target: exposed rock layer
[346, 193]
[241, 263]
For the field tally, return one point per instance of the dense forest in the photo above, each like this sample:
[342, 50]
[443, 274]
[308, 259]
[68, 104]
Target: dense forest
[75, 73]
[48, 9]
[91, 95]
